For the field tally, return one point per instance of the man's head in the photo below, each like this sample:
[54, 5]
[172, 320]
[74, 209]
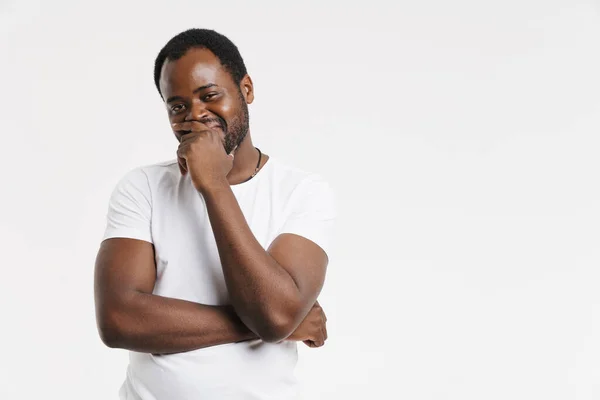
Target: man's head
[201, 76]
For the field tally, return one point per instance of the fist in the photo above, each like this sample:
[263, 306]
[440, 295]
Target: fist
[313, 330]
[202, 155]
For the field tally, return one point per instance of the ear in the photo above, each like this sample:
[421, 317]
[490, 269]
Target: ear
[247, 88]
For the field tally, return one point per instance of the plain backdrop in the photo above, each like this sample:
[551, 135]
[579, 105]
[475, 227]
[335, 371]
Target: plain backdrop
[461, 138]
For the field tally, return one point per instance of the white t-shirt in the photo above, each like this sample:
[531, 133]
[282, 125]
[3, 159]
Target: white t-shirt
[156, 204]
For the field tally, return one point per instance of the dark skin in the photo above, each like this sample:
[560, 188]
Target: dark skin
[273, 293]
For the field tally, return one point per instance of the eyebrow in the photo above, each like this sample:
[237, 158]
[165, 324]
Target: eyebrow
[198, 89]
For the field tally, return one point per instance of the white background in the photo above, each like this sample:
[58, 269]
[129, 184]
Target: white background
[462, 140]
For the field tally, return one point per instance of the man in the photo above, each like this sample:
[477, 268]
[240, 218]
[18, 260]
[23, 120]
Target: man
[211, 264]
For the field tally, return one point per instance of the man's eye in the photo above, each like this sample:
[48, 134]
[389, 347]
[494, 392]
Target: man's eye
[209, 96]
[177, 108]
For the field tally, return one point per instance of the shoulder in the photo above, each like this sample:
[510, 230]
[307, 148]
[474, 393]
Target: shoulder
[145, 181]
[302, 185]
[295, 177]
[149, 175]
[160, 170]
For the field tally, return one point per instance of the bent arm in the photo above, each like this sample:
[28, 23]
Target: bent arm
[272, 291]
[129, 316]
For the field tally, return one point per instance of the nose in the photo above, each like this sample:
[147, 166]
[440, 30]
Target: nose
[197, 112]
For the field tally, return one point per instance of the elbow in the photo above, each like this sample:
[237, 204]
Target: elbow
[274, 334]
[116, 320]
[272, 322]
[110, 331]
[110, 338]
[277, 328]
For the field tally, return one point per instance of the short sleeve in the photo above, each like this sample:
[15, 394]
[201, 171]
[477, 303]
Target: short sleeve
[130, 208]
[312, 213]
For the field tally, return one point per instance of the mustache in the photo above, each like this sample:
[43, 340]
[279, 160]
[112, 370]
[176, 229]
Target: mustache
[216, 119]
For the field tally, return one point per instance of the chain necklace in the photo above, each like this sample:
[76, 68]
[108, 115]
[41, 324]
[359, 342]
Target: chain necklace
[257, 165]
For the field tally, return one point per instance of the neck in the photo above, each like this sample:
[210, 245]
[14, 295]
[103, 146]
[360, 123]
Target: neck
[244, 162]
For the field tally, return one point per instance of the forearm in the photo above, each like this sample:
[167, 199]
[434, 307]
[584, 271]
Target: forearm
[262, 292]
[149, 323]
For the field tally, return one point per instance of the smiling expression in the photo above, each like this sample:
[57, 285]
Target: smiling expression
[198, 88]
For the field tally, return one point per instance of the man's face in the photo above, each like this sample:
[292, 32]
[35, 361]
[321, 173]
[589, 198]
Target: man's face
[197, 88]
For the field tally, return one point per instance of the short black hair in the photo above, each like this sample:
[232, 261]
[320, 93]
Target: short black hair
[218, 44]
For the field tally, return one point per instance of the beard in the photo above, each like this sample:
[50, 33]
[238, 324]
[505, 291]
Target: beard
[237, 129]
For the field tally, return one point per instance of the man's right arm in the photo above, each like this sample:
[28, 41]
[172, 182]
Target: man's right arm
[129, 316]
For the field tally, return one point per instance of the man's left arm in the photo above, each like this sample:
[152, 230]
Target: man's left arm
[273, 290]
